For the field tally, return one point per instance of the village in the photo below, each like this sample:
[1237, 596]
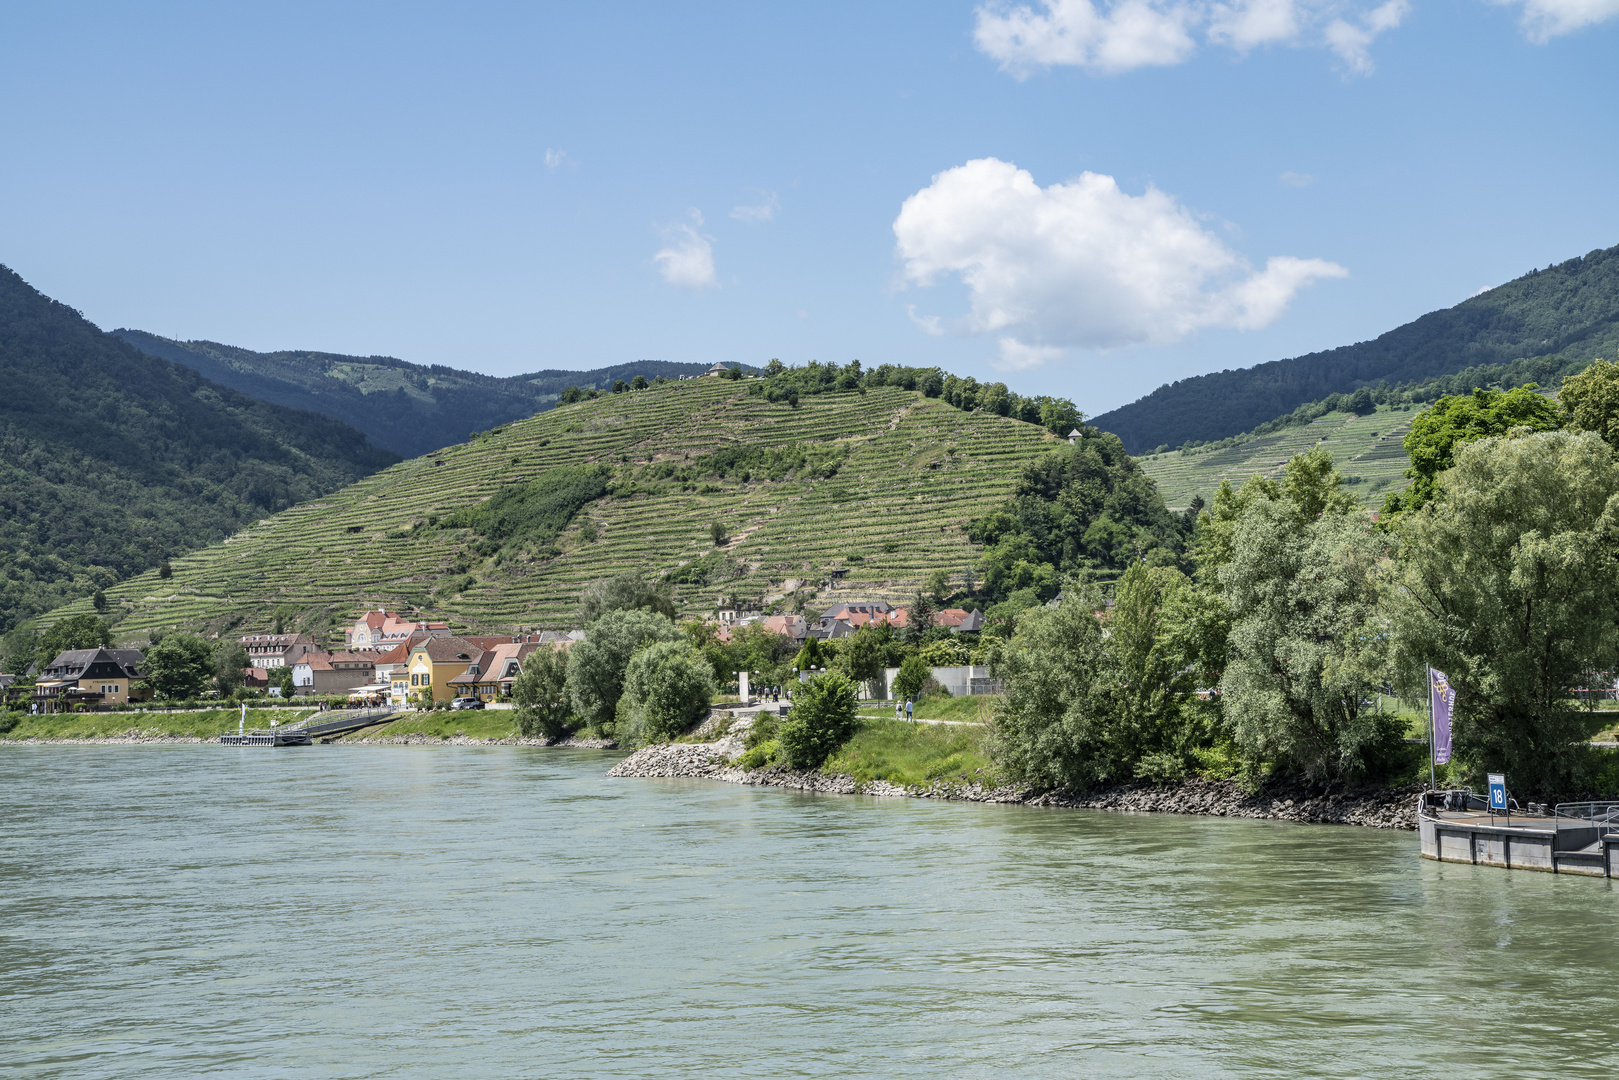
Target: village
[388, 660]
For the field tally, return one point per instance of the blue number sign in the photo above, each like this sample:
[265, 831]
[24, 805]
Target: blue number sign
[1498, 791]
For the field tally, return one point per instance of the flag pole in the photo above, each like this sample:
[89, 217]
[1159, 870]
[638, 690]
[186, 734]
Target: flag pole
[1433, 782]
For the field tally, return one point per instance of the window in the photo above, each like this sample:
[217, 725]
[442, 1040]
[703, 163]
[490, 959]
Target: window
[472, 670]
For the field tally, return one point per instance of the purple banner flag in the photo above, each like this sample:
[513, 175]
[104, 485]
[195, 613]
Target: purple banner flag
[1442, 699]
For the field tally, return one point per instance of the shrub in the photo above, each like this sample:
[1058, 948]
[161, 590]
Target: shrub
[821, 719]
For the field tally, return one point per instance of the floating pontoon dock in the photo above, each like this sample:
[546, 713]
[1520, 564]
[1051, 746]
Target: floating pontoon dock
[304, 734]
[1575, 838]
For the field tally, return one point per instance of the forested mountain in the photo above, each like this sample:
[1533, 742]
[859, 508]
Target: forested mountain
[404, 407]
[1570, 310]
[112, 460]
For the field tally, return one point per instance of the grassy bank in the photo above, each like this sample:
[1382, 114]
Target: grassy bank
[977, 709]
[917, 754]
[474, 724]
[201, 724]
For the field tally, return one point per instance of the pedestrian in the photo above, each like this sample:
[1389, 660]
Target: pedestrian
[899, 709]
[910, 709]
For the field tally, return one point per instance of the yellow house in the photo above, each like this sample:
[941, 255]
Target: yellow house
[88, 677]
[436, 661]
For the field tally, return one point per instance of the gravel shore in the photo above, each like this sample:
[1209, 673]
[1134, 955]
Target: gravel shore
[1379, 808]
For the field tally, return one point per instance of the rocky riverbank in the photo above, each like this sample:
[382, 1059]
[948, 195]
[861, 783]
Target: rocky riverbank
[1379, 808]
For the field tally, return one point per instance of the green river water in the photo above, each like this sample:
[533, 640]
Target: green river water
[472, 912]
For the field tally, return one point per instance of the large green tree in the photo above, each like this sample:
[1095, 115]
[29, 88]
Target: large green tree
[75, 632]
[1511, 587]
[626, 591]
[179, 666]
[596, 665]
[668, 687]
[540, 693]
[1451, 422]
[1308, 645]
[1590, 400]
[821, 719]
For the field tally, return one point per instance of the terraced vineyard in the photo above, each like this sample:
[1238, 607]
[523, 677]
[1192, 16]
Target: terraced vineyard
[917, 470]
[1367, 449]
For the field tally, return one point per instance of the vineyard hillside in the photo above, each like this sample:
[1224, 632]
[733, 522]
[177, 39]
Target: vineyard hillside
[1369, 450]
[909, 473]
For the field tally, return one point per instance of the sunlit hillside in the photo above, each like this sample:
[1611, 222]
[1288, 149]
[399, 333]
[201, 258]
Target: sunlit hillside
[915, 471]
[1368, 450]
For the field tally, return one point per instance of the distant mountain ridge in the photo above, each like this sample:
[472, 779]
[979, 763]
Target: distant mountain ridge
[1570, 310]
[408, 408]
[112, 460]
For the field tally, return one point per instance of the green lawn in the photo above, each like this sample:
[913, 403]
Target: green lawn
[915, 754]
[206, 724]
[444, 724]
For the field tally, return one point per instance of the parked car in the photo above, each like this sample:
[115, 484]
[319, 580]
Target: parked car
[466, 703]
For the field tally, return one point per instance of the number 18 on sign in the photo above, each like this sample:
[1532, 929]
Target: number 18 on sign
[1498, 791]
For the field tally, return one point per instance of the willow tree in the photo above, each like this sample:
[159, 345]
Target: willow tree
[1511, 587]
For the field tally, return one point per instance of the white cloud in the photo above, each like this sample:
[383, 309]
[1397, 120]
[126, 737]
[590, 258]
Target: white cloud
[1297, 179]
[1244, 26]
[1016, 356]
[765, 210]
[1131, 34]
[1121, 35]
[1082, 264]
[555, 158]
[1352, 41]
[1543, 20]
[687, 259]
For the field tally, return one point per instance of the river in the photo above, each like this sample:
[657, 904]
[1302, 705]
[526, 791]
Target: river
[499, 912]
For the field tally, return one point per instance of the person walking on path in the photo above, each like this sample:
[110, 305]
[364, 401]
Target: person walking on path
[910, 709]
[899, 709]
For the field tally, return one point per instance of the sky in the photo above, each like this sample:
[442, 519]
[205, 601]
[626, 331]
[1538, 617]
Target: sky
[1076, 197]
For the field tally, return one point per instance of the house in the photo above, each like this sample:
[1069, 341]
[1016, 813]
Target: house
[845, 619]
[383, 630]
[332, 672]
[89, 677]
[718, 370]
[436, 661]
[276, 650]
[959, 621]
[1074, 437]
[491, 675]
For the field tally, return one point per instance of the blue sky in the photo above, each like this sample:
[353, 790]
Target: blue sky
[1080, 199]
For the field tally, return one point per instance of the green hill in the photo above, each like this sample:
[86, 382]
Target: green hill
[879, 482]
[1571, 310]
[111, 459]
[408, 408]
[1368, 450]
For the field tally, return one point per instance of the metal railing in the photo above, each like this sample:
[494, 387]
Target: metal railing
[1604, 815]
